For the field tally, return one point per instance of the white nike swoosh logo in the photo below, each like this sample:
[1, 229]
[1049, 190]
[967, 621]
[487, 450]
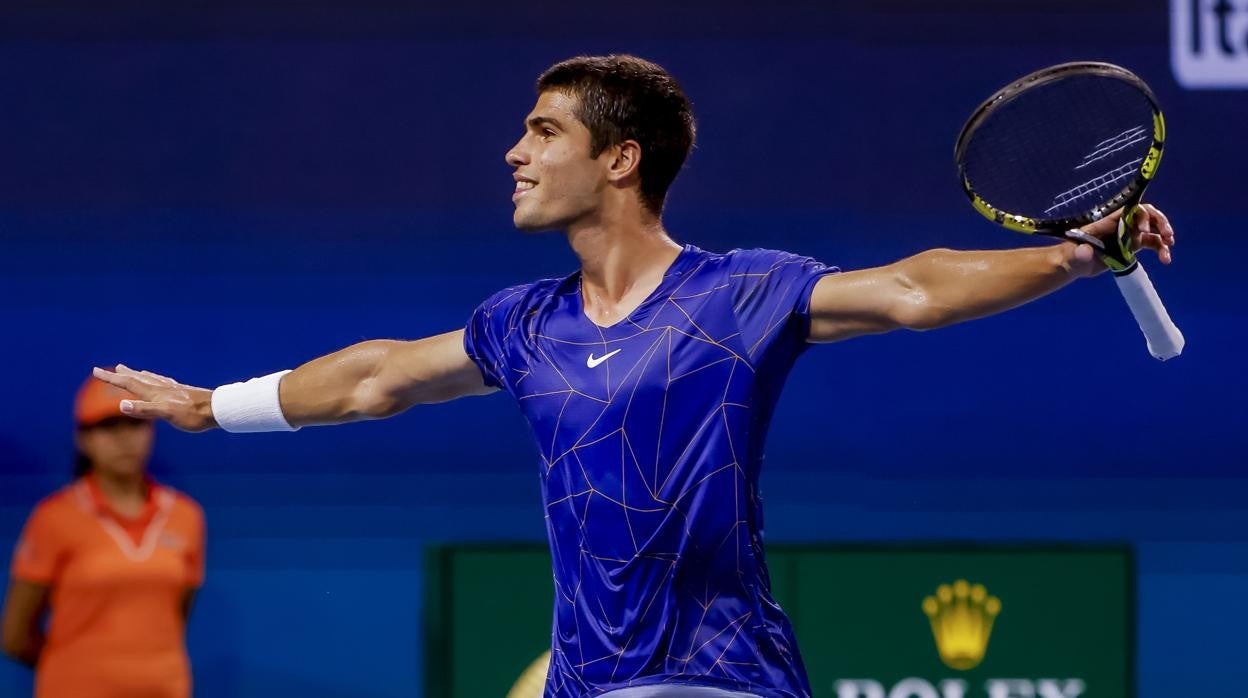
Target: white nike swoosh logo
[592, 362]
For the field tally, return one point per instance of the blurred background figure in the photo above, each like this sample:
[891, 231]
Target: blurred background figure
[113, 559]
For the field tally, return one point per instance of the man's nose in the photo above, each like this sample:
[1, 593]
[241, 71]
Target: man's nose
[517, 156]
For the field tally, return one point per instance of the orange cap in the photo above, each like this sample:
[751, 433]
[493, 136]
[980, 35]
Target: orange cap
[98, 401]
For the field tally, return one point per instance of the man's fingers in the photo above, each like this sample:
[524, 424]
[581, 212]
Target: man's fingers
[141, 383]
[122, 372]
[163, 380]
[103, 374]
[1156, 221]
[145, 376]
[1162, 224]
[1142, 221]
[1157, 243]
[1152, 241]
[155, 396]
[1154, 231]
[143, 410]
[121, 380]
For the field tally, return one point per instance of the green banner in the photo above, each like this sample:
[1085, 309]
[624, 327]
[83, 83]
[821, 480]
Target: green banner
[871, 621]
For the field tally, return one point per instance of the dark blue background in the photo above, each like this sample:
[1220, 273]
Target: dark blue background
[220, 193]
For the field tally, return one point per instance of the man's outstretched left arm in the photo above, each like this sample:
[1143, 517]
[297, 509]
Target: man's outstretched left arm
[941, 287]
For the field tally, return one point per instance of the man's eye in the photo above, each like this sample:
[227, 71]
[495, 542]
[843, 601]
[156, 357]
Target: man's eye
[547, 133]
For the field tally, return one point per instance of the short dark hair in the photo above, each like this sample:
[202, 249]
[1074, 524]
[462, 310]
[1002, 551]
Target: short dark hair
[623, 98]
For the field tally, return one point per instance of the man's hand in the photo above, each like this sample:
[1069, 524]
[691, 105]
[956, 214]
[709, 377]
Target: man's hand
[1150, 229]
[159, 397]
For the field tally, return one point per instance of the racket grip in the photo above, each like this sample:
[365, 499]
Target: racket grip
[1165, 341]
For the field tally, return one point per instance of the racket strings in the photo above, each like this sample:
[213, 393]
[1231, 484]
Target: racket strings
[1067, 198]
[1061, 149]
[1109, 146]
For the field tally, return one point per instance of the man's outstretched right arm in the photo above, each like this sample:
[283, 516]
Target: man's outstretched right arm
[369, 380]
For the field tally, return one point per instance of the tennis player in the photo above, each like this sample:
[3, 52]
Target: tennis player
[649, 377]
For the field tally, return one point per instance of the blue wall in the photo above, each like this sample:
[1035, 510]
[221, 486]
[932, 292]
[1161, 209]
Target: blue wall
[216, 195]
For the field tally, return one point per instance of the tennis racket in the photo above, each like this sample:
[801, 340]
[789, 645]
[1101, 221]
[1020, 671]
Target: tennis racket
[1066, 146]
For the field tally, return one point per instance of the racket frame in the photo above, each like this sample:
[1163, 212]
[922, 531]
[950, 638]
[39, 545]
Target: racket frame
[1127, 197]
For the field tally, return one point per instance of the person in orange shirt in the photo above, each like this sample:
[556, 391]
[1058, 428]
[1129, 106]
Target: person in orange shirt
[114, 558]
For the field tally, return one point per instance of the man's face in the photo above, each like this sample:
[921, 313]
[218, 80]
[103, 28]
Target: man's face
[557, 182]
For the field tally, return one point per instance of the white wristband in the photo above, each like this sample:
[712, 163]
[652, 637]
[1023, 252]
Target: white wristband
[252, 406]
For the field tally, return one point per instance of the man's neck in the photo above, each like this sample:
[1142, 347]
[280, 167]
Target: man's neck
[621, 265]
[619, 258]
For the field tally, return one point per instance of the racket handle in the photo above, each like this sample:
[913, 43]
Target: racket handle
[1165, 341]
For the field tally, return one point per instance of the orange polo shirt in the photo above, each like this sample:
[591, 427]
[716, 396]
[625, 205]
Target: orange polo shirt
[116, 588]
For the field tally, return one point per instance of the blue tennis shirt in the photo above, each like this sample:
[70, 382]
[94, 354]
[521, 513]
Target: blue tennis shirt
[651, 437]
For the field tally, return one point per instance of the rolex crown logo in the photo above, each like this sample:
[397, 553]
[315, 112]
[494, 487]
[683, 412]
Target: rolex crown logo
[961, 615]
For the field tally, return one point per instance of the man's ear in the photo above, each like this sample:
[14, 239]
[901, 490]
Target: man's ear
[625, 163]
